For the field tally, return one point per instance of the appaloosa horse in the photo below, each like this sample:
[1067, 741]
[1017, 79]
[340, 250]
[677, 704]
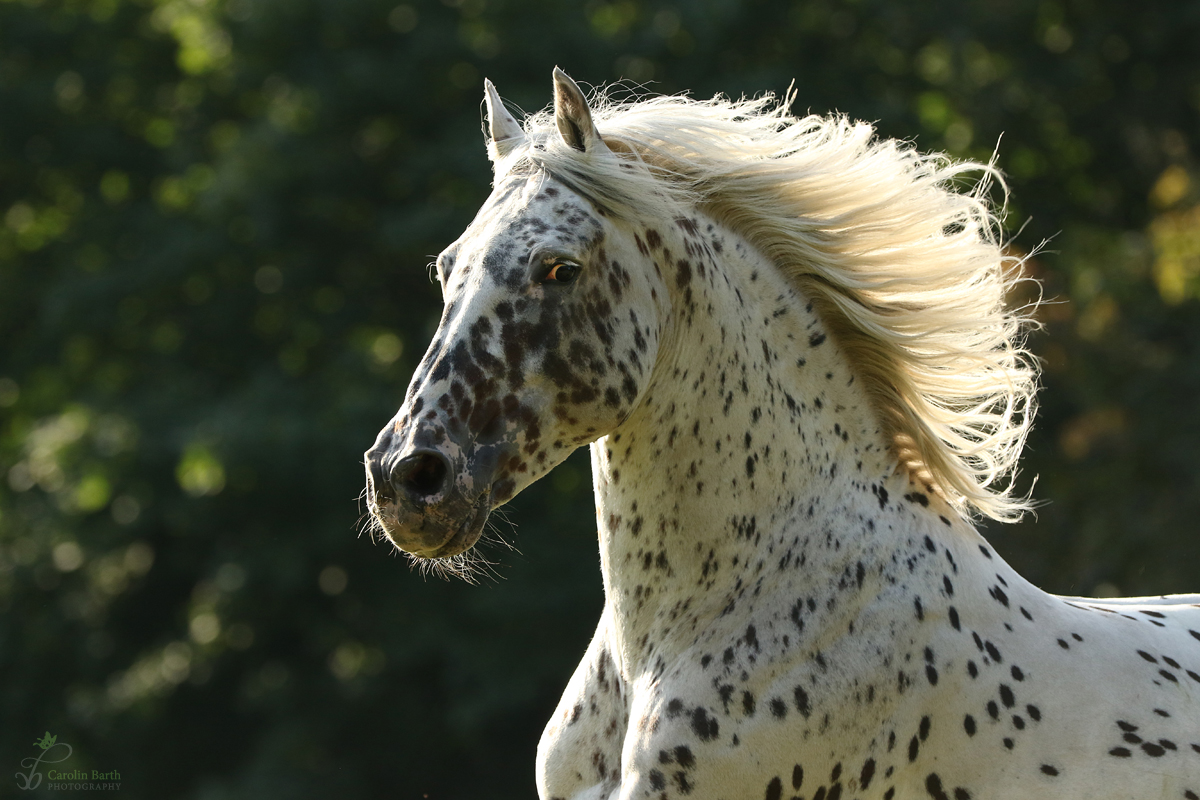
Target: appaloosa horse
[787, 343]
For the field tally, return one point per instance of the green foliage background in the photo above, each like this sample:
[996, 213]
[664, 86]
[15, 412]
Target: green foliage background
[216, 221]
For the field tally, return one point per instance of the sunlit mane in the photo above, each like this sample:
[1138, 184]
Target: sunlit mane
[900, 251]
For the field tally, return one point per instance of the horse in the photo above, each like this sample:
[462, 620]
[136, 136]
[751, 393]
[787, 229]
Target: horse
[787, 342]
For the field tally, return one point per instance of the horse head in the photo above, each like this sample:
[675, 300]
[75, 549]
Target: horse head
[548, 335]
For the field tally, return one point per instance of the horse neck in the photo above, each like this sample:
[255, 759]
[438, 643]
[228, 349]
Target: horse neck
[754, 450]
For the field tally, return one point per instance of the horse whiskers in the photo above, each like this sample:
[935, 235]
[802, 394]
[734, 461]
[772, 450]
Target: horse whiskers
[470, 566]
[491, 528]
[368, 524]
[465, 566]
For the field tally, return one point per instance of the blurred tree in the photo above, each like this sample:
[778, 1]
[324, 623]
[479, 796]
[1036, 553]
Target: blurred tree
[217, 216]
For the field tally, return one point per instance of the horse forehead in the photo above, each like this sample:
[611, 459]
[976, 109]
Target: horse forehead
[532, 211]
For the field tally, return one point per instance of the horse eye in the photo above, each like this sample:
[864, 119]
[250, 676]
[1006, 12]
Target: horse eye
[562, 272]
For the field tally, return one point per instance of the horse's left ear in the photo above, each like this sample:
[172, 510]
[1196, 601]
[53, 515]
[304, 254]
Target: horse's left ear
[573, 116]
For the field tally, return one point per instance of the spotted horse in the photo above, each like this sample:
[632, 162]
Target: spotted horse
[787, 343]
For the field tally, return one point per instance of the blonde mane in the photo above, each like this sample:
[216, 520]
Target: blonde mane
[900, 251]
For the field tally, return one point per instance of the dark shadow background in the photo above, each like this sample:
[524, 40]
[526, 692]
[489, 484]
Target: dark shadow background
[216, 221]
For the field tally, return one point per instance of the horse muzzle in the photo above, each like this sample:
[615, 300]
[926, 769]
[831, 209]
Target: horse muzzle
[430, 495]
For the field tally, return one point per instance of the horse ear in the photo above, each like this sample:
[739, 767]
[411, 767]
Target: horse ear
[573, 116]
[504, 132]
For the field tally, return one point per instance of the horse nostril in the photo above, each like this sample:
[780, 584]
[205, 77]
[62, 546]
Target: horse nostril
[422, 474]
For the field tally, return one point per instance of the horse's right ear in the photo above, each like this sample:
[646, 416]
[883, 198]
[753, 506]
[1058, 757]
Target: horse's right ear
[504, 132]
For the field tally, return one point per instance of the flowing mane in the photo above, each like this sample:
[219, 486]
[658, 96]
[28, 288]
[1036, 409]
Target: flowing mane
[899, 250]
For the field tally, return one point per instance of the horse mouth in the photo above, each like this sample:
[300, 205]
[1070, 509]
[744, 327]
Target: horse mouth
[462, 537]
[467, 534]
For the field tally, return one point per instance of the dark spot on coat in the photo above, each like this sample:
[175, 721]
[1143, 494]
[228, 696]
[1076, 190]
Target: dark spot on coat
[778, 708]
[802, 702]
[865, 776]
[933, 785]
[704, 726]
